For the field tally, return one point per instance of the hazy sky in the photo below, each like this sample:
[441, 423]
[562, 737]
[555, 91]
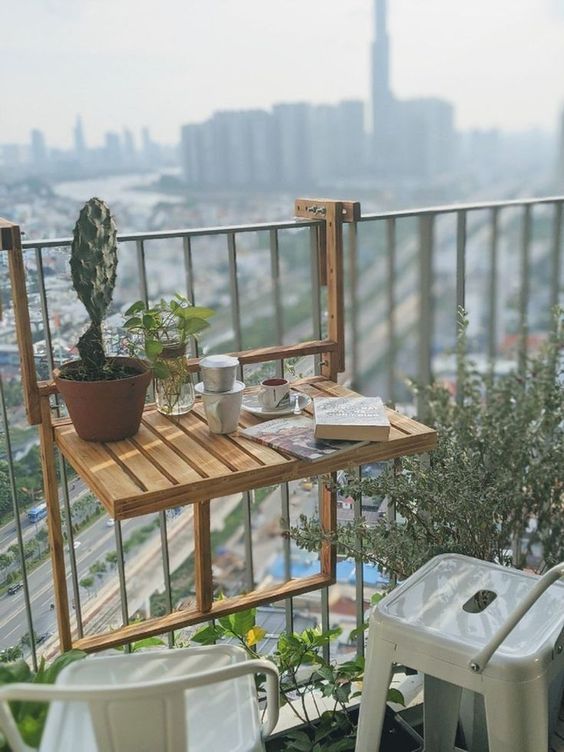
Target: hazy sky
[166, 62]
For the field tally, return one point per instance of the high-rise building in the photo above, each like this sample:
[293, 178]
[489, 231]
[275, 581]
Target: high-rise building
[292, 122]
[411, 138]
[38, 148]
[79, 140]
[112, 148]
[383, 102]
[128, 146]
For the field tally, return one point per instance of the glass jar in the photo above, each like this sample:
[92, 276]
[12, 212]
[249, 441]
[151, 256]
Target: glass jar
[174, 394]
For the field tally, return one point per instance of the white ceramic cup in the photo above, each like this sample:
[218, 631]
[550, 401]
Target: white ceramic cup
[274, 392]
[222, 409]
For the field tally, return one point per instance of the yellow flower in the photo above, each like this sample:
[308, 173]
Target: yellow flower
[254, 635]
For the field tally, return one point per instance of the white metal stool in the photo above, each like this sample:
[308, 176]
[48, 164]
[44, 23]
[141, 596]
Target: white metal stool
[467, 623]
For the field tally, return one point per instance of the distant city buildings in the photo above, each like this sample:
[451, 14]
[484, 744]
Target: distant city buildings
[294, 144]
[299, 144]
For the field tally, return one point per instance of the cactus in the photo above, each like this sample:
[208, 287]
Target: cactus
[93, 268]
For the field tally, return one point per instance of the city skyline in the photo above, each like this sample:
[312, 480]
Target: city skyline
[171, 74]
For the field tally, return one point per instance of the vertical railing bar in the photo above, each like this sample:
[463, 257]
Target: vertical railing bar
[524, 291]
[326, 649]
[234, 290]
[14, 495]
[391, 295]
[275, 275]
[236, 318]
[166, 568]
[556, 256]
[316, 290]
[461, 219]
[121, 576]
[493, 305]
[325, 618]
[189, 277]
[278, 310]
[353, 300]
[391, 517]
[70, 538]
[144, 292]
[62, 467]
[142, 270]
[287, 553]
[426, 225]
[248, 536]
[359, 575]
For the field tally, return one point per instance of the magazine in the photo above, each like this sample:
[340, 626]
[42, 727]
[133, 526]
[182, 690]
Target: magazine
[295, 436]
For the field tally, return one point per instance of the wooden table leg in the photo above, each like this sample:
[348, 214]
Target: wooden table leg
[328, 520]
[202, 556]
[56, 541]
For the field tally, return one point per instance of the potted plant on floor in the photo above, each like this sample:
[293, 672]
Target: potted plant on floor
[104, 395]
[165, 330]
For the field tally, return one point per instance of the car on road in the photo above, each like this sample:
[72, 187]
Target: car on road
[42, 637]
[76, 544]
[13, 589]
[110, 522]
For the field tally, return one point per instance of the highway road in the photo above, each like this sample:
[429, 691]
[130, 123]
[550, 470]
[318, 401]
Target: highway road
[93, 545]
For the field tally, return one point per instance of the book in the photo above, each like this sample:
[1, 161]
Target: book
[352, 418]
[295, 436]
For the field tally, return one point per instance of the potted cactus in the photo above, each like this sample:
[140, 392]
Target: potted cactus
[104, 395]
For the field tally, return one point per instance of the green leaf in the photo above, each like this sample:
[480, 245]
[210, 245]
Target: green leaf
[133, 323]
[153, 348]
[160, 370]
[138, 306]
[62, 661]
[146, 642]
[394, 695]
[196, 312]
[299, 741]
[206, 635]
[243, 621]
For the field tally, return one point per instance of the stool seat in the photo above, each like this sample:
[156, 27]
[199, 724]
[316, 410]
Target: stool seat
[474, 625]
[430, 607]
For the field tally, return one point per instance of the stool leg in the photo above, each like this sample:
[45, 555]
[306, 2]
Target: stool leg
[517, 716]
[440, 714]
[377, 677]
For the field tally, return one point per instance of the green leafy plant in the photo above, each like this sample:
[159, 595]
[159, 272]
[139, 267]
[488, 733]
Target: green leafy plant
[497, 471]
[30, 716]
[169, 323]
[164, 330]
[305, 677]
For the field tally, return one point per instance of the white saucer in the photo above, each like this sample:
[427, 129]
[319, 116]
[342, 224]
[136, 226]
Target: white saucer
[237, 387]
[252, 405]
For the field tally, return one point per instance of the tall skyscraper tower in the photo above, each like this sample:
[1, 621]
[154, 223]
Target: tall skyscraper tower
[79, 142]
[383, 103]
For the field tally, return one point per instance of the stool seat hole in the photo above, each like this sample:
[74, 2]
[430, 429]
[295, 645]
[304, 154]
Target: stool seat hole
[479, 601]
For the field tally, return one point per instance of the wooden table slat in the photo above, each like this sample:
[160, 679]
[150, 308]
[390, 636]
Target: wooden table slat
[135, 464]
[205, 463]
[90, 459]
[178, 461]
[164, 456]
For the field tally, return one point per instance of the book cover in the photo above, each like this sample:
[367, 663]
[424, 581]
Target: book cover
[352, 418]
[295, 436]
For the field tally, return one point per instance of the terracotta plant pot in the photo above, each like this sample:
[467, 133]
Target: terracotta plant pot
[105, 410]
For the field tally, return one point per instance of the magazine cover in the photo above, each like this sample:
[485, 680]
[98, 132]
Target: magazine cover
[295, 436]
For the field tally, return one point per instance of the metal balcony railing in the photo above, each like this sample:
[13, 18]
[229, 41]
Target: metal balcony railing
[406, 275]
